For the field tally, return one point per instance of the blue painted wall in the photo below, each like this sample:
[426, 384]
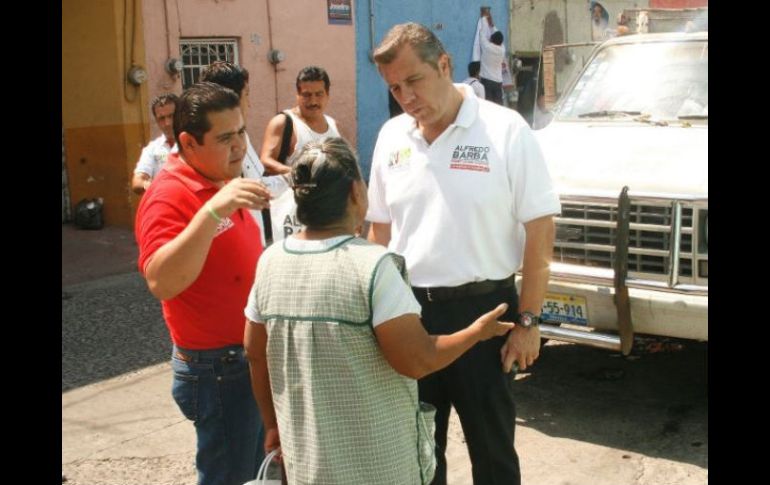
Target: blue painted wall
[458, 20]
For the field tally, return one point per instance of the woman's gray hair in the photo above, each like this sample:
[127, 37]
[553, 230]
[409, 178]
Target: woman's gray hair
[322, 177]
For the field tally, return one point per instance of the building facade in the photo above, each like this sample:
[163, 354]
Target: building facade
[106, 118]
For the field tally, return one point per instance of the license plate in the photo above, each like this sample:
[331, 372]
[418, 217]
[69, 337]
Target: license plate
[562, 308]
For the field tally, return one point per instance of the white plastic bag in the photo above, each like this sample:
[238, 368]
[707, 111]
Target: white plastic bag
[262, 473]
[426, 449]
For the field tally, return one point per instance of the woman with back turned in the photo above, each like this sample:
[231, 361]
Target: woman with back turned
[335, 342]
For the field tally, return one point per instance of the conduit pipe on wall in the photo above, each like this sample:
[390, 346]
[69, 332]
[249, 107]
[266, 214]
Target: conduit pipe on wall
[168, 30]
[270, 48]
[371, 31]
[129, 53]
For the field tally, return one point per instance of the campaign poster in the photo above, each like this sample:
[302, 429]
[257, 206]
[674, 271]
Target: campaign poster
[340, 11]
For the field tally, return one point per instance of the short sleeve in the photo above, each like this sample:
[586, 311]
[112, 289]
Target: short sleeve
[533, 189]
[252, 310]
[159, 224]
[378, 208]
[391, 297]
[146, 163]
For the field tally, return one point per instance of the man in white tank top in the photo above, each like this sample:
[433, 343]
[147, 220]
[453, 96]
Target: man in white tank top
[309, 123]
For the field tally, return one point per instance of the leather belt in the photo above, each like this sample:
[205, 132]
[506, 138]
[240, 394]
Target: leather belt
[476, 288]
[226, 354]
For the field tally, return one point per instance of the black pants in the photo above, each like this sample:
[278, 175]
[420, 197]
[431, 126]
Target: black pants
[493, 91]
[476, 386]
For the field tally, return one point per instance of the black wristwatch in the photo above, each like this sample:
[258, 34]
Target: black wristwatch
[528, 319]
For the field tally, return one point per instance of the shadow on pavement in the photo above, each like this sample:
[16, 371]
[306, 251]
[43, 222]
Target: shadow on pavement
[655, 404]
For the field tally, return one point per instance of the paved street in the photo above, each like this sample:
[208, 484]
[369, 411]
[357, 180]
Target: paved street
[585, 416]
[110, 326]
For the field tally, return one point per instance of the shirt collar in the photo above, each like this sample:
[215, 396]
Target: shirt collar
[469, 109]
[187, 175]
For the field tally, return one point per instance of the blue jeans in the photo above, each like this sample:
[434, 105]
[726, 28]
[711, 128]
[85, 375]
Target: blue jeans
[213, 389]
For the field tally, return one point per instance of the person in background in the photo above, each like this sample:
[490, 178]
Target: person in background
[155, 153]
[309, 121]
[198, 250]
[460, 189]
[492, 59]
[473, 79]
[484, 28]
[334, 363]
[622, 25]
[600, 19]
[289, 131]
[236, 78]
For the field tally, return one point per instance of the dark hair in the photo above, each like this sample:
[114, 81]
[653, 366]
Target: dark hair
[226, 74]
[196, 103]
[425, 43]
[474, 68]
[496, 38]
[322, 177]
[162, 100]
[311, 74]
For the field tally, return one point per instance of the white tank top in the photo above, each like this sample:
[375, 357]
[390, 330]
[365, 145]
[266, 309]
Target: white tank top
[305, 134]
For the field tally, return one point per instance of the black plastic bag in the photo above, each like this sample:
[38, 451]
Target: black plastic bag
[89, 214]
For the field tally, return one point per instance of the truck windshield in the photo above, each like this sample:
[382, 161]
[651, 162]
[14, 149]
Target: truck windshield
[663, 80]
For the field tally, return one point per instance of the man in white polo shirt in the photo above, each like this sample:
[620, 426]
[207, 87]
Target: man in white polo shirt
[473, 79]
[156, 152]
[492, 58]
[457, 186]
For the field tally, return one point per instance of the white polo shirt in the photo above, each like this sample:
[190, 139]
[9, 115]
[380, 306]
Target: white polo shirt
[478, 88]
[153, 156]
[252, 168]
[456, 207]
[492, 57]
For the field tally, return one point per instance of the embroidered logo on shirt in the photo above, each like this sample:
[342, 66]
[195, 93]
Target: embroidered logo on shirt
[399, 159]
[223, 226]
[469, 157]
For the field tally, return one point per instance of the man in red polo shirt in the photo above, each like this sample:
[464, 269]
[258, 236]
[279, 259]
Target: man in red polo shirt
[198, 250]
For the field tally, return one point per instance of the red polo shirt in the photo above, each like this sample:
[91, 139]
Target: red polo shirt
[209, 313]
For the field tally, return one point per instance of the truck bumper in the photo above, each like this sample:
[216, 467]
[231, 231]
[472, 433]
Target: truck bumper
[652, 312]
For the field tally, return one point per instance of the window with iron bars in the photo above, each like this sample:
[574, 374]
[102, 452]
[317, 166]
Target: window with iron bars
[197, 54]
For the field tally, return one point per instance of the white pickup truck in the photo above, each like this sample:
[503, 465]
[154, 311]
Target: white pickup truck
[628, 152]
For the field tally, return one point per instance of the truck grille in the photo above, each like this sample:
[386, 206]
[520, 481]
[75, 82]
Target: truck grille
[585, 235]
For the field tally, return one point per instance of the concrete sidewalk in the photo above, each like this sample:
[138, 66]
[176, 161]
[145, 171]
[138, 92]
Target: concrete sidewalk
[127, 430]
